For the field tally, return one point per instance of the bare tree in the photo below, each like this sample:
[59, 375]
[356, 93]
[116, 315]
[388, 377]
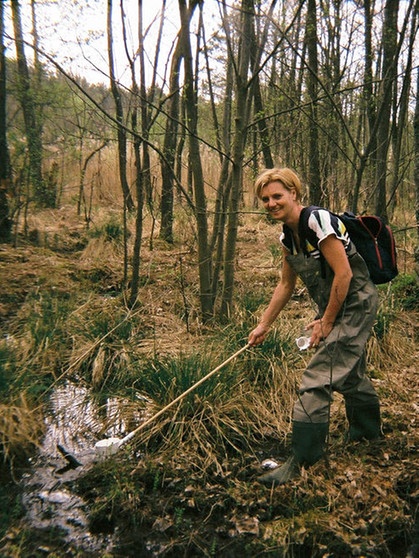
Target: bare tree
[401, 112]
[312, 88]
[27, 101]
[142, 166]
[368, 105]
[204, 256]
[416, 172]
[259, 109]
[242, 89]
[388, 83]
[170, 145]
[121, 128]
[5, 167]
[83, 170]
[224, 181]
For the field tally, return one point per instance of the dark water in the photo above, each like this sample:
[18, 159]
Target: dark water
[74, 422]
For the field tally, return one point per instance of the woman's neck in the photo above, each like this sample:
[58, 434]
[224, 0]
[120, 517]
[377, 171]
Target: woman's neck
[293, 221]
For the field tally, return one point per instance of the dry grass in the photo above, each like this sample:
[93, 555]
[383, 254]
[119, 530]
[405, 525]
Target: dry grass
[234, 417]
[203, 455]
[20, 429]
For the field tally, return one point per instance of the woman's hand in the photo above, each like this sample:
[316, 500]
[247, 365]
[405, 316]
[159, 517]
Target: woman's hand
[320, 329]
[257, 336]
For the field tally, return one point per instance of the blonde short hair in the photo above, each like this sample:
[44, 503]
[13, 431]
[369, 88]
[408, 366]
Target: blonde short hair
[287, 177]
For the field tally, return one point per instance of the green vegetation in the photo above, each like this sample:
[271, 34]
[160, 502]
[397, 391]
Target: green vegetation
[11, 508]
[110, 231]
[405, 290]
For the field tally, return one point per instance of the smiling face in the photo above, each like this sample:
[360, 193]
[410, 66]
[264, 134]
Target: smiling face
[280, 203]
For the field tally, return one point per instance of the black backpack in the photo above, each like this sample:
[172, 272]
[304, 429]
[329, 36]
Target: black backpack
[373, 240]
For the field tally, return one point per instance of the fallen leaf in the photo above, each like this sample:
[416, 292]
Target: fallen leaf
[162, 524]
[380, 491]
[248, 525]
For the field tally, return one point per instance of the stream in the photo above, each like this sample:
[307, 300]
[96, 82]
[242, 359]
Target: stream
[74, 422]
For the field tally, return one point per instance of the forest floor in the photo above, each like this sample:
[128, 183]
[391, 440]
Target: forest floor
[362, 502]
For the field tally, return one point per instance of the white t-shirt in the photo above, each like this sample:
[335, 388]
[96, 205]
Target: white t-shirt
[321, 224]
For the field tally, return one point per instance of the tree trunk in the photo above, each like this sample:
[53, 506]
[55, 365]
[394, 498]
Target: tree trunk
[169, 148]
[312, 88]
[369, 153]
[388, 83]
[416, 174]
[142, 167]
[27, 101]
[122, 136]
[172, 146]
[261, 121]
[196, 165]
[82, 197]
[401, 116]
[241, 123]
[224, 183]
[331, 117]
[5, 168]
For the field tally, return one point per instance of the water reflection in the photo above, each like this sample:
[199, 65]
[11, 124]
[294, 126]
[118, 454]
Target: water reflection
[75, 420]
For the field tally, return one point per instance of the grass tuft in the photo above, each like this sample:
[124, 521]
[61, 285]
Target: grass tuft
[20, 429]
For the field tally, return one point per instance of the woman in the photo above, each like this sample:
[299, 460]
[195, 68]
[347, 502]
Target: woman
[338, 280]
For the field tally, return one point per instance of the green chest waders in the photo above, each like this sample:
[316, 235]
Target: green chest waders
[337, 365]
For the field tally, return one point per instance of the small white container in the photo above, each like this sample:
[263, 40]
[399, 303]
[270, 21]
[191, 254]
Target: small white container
[107, 447]
[303, 343]
[269, 464]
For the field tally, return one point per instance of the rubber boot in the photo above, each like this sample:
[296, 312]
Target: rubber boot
[364, 421]
[308, 441]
